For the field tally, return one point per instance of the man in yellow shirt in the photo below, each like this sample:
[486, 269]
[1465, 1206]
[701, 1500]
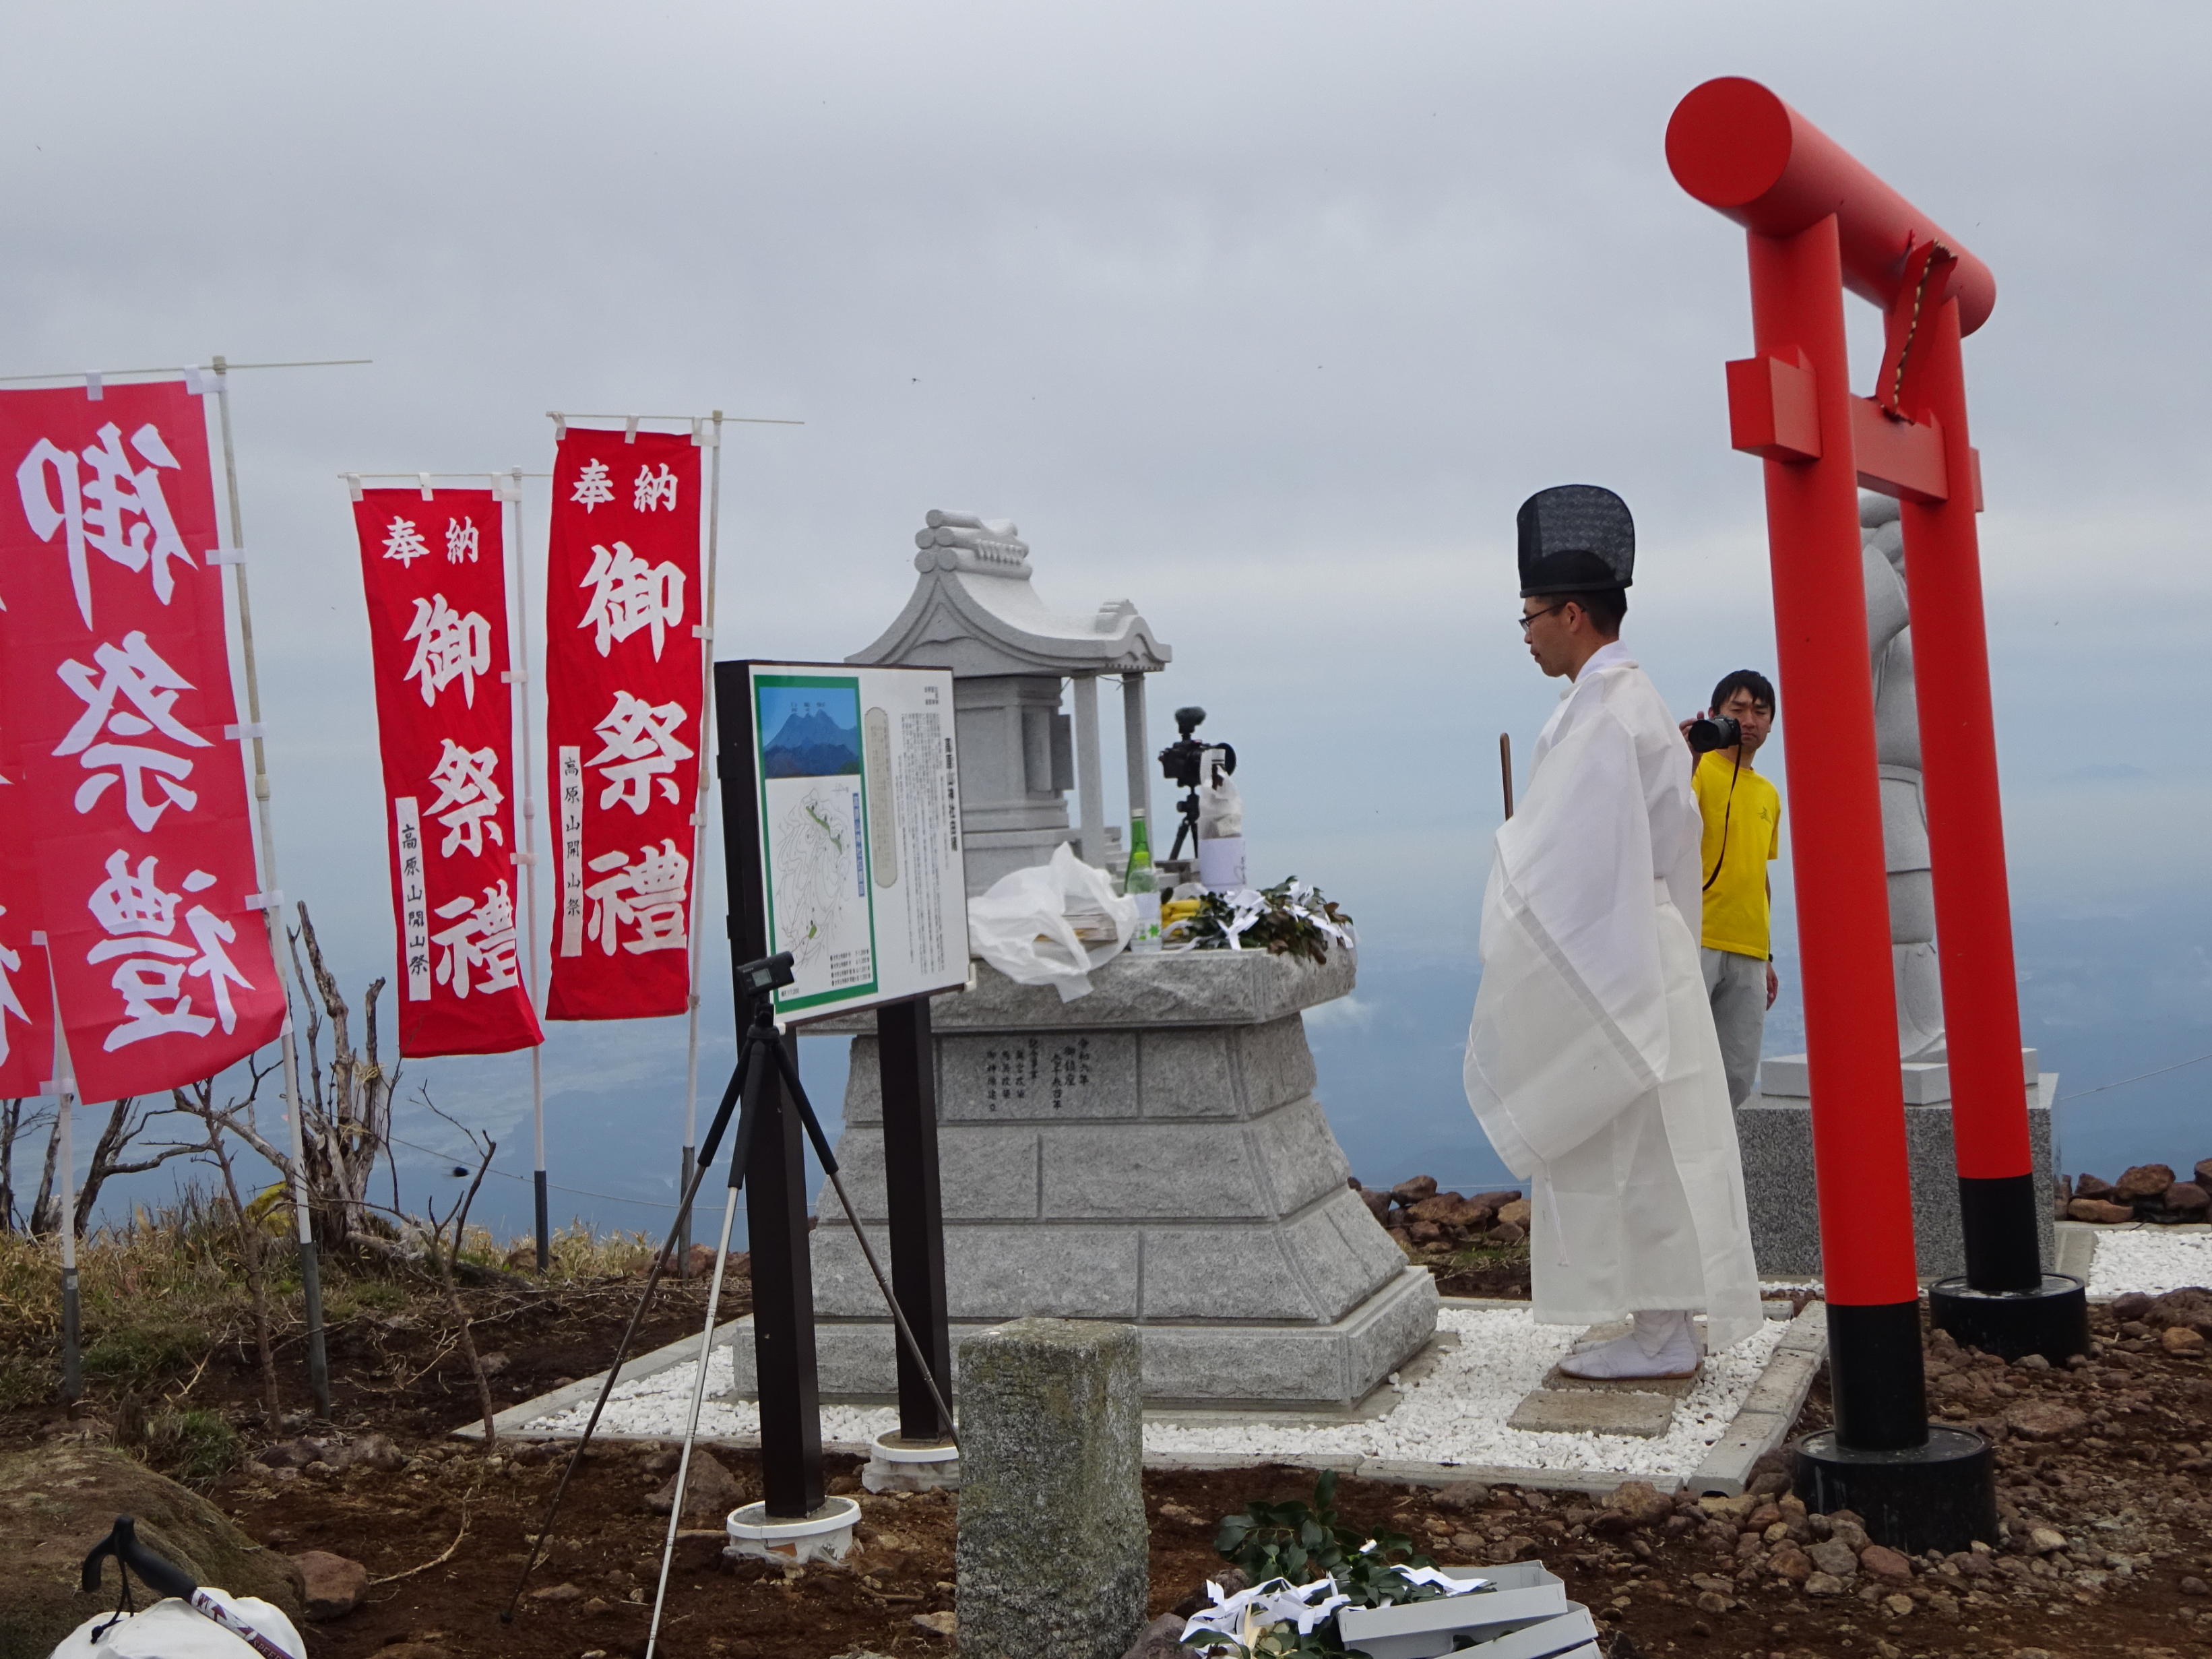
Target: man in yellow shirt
[1742, 814]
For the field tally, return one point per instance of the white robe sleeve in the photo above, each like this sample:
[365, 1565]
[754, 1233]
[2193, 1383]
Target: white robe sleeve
[1569, 1024]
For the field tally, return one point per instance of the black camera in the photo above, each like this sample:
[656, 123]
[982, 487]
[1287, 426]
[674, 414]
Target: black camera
[1717, 731]
[1179, 760]
[769, 973]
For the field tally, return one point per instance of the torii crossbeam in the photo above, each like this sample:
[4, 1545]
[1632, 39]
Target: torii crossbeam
[1817, 222]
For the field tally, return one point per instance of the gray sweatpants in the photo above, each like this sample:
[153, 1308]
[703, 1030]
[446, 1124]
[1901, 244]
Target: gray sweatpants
[1736, 986]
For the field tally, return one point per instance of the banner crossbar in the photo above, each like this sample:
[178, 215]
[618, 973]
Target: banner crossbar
[180, 368]
[747, 420]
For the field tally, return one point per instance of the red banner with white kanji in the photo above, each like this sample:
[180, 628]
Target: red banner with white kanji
[27, 1005]
[115, 694]
[625, 681]
[434, 571]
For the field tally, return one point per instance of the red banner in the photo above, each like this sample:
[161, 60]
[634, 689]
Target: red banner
[27, 1004]
[434, 570]
[115, 681]
[625, 679]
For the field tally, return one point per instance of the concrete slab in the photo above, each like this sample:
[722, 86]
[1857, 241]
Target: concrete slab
[1588, 1411]
[1426, 1427]
[1674, 1387]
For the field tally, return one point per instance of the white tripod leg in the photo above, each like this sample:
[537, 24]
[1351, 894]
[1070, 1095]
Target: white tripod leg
[691, 1423]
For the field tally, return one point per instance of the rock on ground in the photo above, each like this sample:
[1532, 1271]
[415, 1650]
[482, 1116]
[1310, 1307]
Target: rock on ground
[710, 1492]
[332, 1586]
[57, 1501]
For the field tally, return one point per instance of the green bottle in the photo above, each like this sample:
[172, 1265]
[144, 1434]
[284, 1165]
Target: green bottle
[1143, 884]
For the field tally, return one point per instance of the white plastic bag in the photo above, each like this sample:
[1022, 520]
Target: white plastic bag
[1026, 924]
[1220, 829]
[171, 1630]
[1220, 808]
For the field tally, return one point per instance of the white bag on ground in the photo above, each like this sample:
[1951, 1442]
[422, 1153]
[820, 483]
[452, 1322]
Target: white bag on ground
[171, 1630]
[1051, 924]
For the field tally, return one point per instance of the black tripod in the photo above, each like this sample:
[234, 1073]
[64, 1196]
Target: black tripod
[761, 1057]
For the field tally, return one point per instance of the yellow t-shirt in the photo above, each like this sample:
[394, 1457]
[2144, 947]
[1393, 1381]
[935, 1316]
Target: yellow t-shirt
[1735, 899]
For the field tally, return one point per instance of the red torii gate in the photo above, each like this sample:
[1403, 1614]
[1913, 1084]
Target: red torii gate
[1819, 222]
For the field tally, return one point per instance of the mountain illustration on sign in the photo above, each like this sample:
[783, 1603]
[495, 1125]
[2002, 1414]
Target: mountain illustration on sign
[812, 743]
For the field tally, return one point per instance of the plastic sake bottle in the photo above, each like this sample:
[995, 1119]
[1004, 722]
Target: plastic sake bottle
[1143, 884]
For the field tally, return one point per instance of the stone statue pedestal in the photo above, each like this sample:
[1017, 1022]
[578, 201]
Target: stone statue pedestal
[1152, 1154]
[1774, 1129]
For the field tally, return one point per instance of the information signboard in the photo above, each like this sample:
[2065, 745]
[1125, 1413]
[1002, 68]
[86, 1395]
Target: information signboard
[846, 844]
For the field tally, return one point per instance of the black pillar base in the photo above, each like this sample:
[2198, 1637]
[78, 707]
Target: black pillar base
[2052, 1319]
[1940, 1496]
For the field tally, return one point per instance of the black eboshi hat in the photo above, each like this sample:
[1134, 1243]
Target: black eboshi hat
[1575, 538]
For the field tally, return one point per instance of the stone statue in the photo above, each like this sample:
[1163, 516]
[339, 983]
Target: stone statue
[1903, 813]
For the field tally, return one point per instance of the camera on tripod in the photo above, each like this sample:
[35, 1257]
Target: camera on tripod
[765, 976]
[1184, 762]
[1715, 732]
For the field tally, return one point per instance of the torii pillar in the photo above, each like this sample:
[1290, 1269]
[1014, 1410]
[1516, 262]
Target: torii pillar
[1819, 222]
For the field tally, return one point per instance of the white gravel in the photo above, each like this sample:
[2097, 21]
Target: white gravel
[2153, 1260]
[1456, 1414]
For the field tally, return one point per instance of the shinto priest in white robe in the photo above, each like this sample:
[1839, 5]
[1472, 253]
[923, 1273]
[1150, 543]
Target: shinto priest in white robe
[1592, 1062]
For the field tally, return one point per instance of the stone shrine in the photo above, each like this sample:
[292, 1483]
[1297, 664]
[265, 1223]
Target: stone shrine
[1774, 1127]
[974, 612]
[1151, 1153]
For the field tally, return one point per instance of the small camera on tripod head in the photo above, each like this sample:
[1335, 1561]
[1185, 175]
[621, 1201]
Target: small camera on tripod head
[768, 975]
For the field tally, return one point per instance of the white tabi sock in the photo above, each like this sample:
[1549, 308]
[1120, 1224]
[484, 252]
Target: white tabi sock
[1657, 1345]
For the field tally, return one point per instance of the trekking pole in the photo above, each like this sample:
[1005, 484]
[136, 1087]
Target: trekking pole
[622, 1349]
[164, 1577]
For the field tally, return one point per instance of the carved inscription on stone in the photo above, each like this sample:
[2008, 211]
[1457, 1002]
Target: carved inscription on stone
[1031, 1075]
[1012, 1078]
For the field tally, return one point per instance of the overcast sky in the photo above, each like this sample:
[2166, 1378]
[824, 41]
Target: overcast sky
[1264, 316]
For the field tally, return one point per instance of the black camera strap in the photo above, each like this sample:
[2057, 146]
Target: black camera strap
[1728, 812]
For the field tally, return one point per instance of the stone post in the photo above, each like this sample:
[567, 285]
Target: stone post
[1139, 755]
[1052, 1553]
[1090, 774]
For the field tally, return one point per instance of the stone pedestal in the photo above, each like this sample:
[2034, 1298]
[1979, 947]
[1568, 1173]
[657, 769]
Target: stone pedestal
[1151, 1153]
[1052, 1548]
[1774, 1129]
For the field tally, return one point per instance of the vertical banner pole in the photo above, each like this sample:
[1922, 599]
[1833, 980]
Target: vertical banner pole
[72, 1307]
[526, 856]
[318, 1369]
[65, 1091]
[701, 806]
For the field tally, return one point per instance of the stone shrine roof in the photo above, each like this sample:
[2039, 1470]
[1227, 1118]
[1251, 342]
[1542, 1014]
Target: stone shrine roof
[974, 612]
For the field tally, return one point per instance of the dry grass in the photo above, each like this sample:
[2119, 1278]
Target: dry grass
[164, 1293]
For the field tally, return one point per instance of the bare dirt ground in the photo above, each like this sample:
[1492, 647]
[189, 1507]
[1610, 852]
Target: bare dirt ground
[2104, 1471]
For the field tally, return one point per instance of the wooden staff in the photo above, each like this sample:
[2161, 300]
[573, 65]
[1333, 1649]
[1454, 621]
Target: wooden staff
[1505, 767]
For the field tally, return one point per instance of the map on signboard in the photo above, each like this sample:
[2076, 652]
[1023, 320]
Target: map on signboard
[814, 808]
[814, 872]
[859, 817]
